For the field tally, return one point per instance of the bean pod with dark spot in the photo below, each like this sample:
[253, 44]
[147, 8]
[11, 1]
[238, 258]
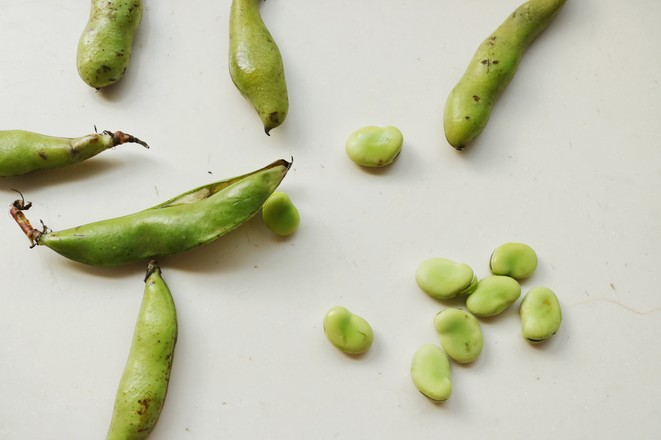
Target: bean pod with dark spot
[23, 152]
[105, 46]
[144, 382]
[493, 66]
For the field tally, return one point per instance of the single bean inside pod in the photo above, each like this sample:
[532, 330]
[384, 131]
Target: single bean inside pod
[144, 382]
[540, 314]
[430, 371]
[444, 279]
[460, 334]
[348, 332]
[374, 146]
[191, 219]
[516, 260]
[493, 294]
[280, 214]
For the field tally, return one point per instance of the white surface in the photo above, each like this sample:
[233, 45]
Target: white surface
[570, 163]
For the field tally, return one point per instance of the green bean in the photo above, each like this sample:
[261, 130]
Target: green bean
[493, 66]
[460, 334]
[493, 295]
[191, 219]
[374, 146]
[23, 152]
[144, 382]
[540, 314]
[104, 48]
[516, 260]
[444, 279]
[347, 332]
[430, 371]
[255, 64]
[280, 214]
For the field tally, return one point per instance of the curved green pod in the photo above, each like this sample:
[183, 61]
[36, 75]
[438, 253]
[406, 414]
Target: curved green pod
[255, 64]
[191, 219]
[23, 152]
[144, 382]
[491, 69]
[105, 46]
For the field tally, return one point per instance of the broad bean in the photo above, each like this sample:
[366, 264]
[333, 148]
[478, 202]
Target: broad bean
[104, 48]
[540, 314]
[430, 371]
[191, 219]
[280, 214]
[493, 295]
[444, 279]
[493, 66]
[144, 382]
[23, 152]
[460, 334]
[255, 64]
[374, 146]
[348, 332]
[516, 260]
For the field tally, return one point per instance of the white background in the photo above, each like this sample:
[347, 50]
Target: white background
[570, 163]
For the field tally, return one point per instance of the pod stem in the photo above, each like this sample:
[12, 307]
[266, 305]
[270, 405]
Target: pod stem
[16, 211]
[119, 138]
[152, 268]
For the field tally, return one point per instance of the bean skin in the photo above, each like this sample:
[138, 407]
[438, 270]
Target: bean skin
[105, 46]
[144, 382]
[23, 152]
[189, 220]
[255, 64]
[541, 315]
[493, 66]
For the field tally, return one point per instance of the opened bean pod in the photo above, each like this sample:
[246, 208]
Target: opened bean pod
[189, 220]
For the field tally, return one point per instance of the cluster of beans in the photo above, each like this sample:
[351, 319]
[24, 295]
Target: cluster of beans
[459, 330]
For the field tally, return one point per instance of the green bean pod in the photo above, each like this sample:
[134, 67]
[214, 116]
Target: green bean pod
[191, 219]
[491, 69]
[22, 152]
[255, 64]
[144, 382]
[104, 48]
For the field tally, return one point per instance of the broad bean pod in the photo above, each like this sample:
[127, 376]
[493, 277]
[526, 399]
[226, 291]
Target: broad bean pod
[191, 219]
[23, 152]
[104, 48]
[491, 69]
[144, 383]
[255, 64]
